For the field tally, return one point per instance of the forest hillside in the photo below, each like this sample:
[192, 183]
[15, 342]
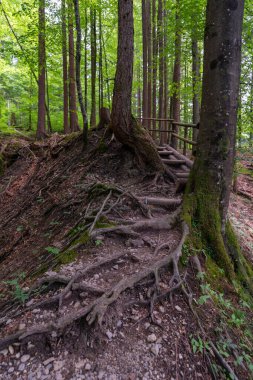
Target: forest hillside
[126, 187]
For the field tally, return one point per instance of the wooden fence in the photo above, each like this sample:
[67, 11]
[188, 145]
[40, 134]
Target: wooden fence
[168, 128]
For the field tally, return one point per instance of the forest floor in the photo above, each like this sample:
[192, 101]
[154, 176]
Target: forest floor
[63, 256]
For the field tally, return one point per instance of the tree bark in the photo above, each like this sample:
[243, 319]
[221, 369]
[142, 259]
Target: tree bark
[195, 87]
[65, 69]
[154, 66]
[41, 128]
[160, 64]
[73, 117]
[145, 63]
[78, 73]
[176, 77]
[125, 127]
[86, 60]
[93, 42]
[149, 60]
[208, 191]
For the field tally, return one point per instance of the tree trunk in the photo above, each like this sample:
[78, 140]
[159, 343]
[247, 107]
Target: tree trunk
[65, 69]
[208, 191]
[93, 65]
[74, 127]
[195, 87]
[86, 60]
[154, 66]
[149, 55]
[176, 77]
[41, 128]
[161, 76]
[145, 63]
[49, 125]
[125, 127]
[101, 76]
[78, 74]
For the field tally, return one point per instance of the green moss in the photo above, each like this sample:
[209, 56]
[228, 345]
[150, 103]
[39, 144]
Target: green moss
[71, 136]
[102, 146]
[98, 189]
[68, 256]
[214, 274]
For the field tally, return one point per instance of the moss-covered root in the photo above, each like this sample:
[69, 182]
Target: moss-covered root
[201, 212]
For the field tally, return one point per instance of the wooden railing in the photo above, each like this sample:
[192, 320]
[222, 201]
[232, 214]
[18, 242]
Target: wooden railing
[167, 129]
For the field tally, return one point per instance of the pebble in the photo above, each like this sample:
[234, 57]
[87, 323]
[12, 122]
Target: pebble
[178, 308]
[11, 369]
[116, 267]
[21, 367]
[155, 349]
[18, 355]
[109, 334]
[36, 311]
[162, 309]
[101, 375]
[87, 367]
[80, 364]
[11, 350]
[151, 338]
[21, 326]
[96, 276]
[49, 360]
[4, 352]
[119, 323]
[58, 376]
[24, 358]
[58, 365]
[180, 356]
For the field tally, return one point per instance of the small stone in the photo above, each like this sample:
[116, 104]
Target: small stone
[109, 334]
[119, 324]
[11, 369]
[11, 350]
[36, 311]
[46, 371]
[48, 361]
[178, 308]
[96, 276]
[77, 305]
[21, 367]
[25, 358]
[18, 355]
[80, 364]
[146, 325]
[21, 326]
[180, 356]
[116, 267]
[29, 303]
[162, 309]
[4, 352]
[87, 367]
[8, 321]
[58, 365]
[155, 349]
[58, 376]
[101, 375]
[151, 338]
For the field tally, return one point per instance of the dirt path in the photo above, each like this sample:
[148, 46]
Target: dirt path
[146, 331]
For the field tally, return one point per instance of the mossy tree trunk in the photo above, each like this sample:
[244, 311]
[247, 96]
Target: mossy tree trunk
[125, 127]
[207, 195]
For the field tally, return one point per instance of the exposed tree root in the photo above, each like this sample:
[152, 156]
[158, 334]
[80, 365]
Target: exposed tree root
[97, 309]
[163, 223]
